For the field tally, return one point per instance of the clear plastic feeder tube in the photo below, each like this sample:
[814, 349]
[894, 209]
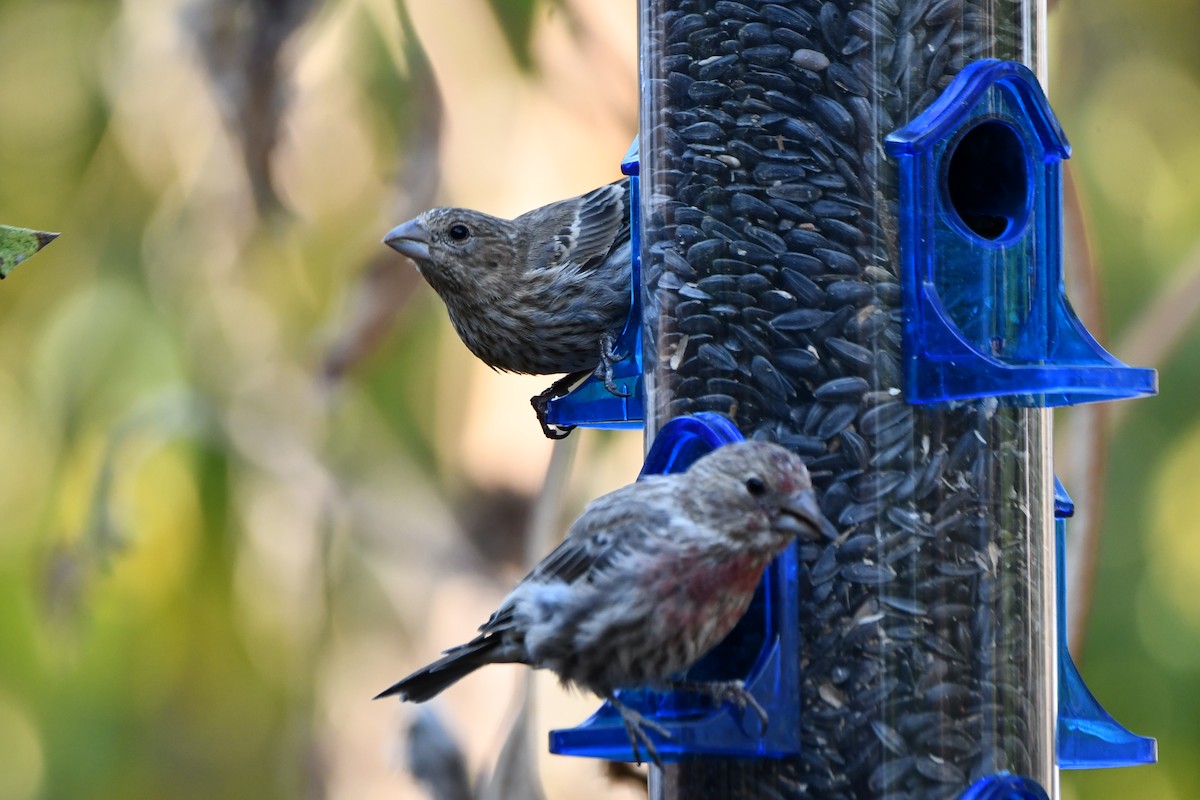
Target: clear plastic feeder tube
[772, 295]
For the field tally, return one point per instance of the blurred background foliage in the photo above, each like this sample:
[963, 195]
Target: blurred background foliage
[251, 476]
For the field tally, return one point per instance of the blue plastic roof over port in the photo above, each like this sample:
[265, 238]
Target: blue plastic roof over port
[685, 439]
[630, 163]
[1004, 786]
[1064, 506]
[981, 252]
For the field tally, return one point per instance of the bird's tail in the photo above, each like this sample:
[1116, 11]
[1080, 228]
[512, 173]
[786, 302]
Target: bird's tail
[456, 664]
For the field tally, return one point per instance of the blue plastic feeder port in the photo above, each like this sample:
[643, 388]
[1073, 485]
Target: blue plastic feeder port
[985, 313]
[1004, 786]
[762, 650]
[1088, 737]
[590, 404]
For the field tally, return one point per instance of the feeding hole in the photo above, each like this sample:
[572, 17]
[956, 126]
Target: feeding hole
[988, 180]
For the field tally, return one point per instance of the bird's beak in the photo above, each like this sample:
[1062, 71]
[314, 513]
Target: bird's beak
[410, 239]
[802, 511]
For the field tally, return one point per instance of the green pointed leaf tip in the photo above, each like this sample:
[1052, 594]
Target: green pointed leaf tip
[18, 244]
[516, 18]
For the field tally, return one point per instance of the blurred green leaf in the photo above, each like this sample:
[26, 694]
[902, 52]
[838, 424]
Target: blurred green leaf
[19, 244]
[516, 18]
[406, 103]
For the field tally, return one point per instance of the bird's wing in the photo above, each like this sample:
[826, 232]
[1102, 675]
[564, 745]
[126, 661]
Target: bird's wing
[610, 528]
[582, 230]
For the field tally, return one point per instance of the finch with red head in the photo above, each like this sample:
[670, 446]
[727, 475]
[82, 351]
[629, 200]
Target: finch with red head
[648, 579]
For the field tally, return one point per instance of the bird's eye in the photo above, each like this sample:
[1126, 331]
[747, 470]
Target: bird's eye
[459, 232]
[755, 486]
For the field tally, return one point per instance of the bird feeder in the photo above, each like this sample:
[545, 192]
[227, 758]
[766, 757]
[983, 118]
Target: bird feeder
[850, 244]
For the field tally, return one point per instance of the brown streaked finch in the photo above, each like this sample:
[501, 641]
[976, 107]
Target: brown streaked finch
[545, 293]
[648, 579]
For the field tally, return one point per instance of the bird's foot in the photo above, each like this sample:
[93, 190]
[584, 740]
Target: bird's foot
[734, 692]
[635, 727]
[608, 357]
[539, 402]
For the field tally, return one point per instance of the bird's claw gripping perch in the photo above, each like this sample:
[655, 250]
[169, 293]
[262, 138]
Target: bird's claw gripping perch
[635, 727]
[539, 402]
[608, 357]
[734, 692]
[603, 372]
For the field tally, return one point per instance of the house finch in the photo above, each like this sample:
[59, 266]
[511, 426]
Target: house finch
[647, 580]
[544, 293]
